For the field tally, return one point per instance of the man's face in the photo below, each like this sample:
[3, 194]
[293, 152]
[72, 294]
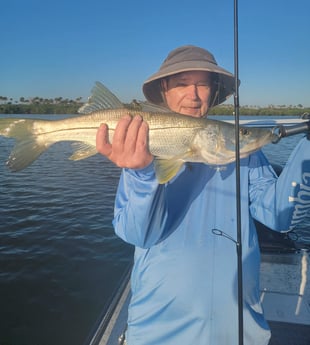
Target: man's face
[188, 93]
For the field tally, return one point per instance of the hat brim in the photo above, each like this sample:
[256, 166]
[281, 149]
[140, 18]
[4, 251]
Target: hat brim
[225, 88]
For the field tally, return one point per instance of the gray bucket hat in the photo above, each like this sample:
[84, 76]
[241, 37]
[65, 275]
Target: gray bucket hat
[190, 58]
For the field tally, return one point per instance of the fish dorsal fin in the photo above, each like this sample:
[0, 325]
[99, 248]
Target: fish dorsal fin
[166, 169]
[101, 98]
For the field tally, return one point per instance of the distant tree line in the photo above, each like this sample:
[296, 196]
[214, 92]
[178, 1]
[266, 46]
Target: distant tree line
[39, 105]
[60, 105]
[263, 111]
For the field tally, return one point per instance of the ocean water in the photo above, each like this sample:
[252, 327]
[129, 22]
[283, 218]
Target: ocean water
[60, 261]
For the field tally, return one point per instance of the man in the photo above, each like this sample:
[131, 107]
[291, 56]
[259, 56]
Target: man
[184, 279]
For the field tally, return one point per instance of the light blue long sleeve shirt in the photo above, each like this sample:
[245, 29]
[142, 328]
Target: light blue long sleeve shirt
[184, 279]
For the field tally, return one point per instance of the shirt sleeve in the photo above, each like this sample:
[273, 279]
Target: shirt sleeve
[140, 210]
[281, 203]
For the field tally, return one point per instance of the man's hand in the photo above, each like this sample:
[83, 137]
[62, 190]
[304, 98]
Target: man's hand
[129, 148]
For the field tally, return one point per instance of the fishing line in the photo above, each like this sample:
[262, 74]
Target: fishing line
[238, 193]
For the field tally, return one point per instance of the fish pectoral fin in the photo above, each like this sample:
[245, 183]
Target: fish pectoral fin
[166, 169]
[82, 150]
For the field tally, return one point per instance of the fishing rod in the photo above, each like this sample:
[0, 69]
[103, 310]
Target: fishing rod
[281, 131]
[238, 188]
[286, 131]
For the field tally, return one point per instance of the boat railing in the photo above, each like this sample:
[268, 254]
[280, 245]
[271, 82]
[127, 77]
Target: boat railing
[111, 325]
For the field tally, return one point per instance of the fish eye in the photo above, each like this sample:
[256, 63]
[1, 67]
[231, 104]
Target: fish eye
[244, 131]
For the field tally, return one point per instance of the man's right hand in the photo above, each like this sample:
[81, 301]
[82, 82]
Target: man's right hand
[129, 148]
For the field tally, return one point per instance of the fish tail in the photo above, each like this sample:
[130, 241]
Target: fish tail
[28, 146]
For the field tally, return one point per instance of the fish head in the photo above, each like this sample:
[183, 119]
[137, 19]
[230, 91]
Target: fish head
[217, 143]
[251, 139]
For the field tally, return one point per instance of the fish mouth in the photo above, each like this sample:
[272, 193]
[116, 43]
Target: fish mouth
[257, 144]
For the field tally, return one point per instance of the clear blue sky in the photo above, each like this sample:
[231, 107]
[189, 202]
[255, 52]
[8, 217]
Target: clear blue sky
[52, 48]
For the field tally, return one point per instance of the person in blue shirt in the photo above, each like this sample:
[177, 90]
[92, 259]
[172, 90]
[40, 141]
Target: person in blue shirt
[184, 278]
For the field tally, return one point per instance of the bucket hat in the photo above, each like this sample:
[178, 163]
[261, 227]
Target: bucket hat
[190, 58]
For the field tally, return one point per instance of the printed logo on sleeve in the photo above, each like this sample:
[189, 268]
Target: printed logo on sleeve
[301, 200]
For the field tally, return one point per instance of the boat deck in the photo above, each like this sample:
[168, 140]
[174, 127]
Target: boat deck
[286, 297]
[289, 334]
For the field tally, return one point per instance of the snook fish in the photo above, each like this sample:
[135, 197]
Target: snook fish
[173, 138]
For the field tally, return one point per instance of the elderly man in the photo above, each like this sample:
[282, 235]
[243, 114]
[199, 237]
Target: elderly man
[184, 278]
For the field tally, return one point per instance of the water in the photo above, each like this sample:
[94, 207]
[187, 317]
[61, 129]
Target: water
[60, 260]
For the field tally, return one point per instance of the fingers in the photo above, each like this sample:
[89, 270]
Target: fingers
[125, 135]
[129, 148]
[102, 141]
[142, 143]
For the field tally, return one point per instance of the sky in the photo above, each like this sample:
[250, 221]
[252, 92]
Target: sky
[59, 48]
